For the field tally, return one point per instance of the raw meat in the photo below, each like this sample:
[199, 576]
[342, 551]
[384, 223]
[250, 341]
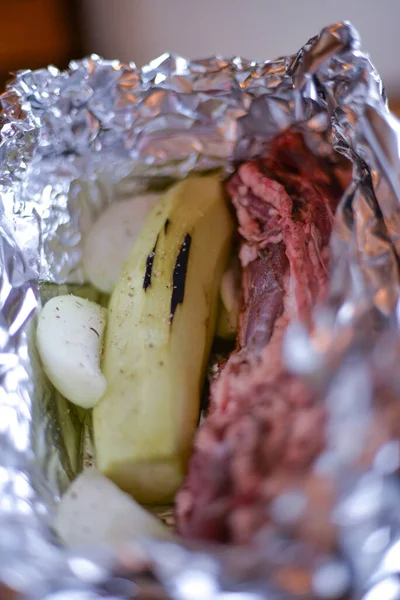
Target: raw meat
[264, 428]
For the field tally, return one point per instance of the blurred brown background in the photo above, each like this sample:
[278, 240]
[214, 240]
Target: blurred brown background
[35, 33]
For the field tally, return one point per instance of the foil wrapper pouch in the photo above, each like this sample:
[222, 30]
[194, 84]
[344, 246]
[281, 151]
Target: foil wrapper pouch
[72, 142]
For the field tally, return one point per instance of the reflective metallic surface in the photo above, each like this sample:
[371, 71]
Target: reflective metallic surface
[71, 143]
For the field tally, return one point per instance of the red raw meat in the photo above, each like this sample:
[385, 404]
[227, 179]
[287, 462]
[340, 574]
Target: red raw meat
[264, 428]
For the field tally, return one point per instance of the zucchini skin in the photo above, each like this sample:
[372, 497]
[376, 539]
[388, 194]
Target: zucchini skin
[162, 320]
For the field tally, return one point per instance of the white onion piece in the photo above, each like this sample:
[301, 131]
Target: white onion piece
[95, 511]
[230, 286]
[69, 340]
[110, 240]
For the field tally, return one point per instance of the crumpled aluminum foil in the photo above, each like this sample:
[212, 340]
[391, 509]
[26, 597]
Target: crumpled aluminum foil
[70, 143]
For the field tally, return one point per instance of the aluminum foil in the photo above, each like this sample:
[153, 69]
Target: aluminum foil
[71, 143]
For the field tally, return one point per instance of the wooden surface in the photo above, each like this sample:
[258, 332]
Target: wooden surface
[394, 106]
[35, 33]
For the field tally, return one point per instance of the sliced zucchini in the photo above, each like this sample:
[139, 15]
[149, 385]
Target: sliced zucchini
[162, 319]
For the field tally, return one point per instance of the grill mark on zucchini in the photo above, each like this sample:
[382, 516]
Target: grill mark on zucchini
[166, 225]
[179, 276]
[149, 267]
